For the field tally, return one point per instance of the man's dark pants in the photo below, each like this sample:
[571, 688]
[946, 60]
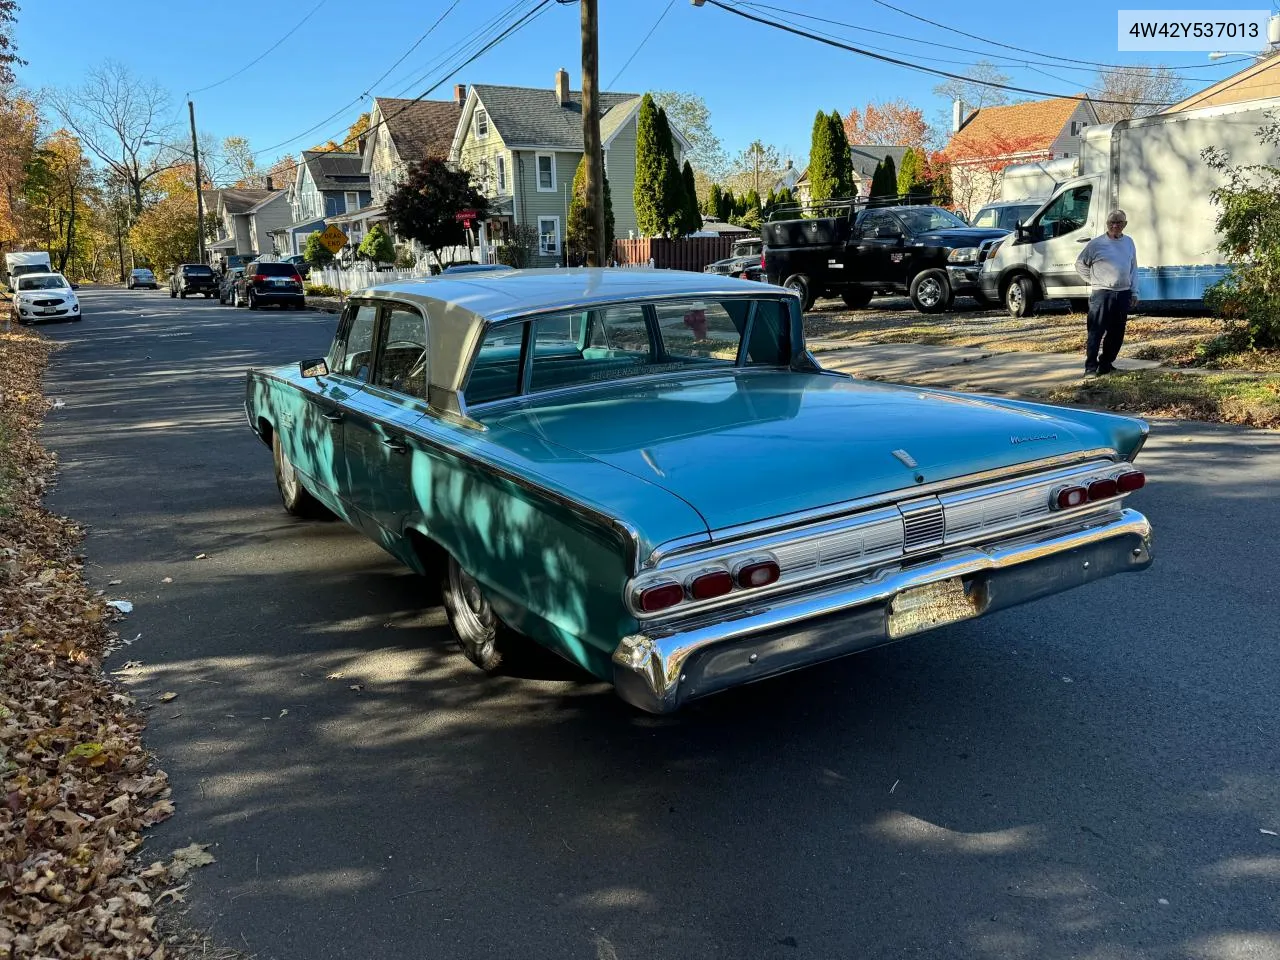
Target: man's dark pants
[1108, 313]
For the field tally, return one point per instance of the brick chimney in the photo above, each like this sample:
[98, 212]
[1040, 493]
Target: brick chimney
[360, 144]
[459, 93]
[958, 118]
[269, 186]
[562, 87]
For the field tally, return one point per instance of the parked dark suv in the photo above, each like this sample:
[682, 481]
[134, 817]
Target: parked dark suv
[193, 278]
[268, 282]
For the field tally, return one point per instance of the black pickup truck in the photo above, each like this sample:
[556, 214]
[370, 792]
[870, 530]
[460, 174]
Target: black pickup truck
[850, 250]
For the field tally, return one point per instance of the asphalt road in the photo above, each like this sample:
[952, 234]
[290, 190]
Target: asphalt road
[1092, 776]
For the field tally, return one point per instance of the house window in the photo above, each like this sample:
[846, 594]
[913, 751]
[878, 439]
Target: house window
[1077, 126]
[482, 173]
[353, 202]
[502, 174]
[482, 124]
[549, 236]
[546, 172]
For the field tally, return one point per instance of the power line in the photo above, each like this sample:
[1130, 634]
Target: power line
[262, 56]
[470, 42]
[831, 42]
[1137, 69]
[519, 24]
[661, 17]
[1009, 46]
[350, 103]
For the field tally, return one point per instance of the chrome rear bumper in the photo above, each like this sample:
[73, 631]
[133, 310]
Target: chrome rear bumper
[660, 670]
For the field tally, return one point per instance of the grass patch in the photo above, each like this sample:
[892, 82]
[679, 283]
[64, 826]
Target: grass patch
[1223, 397]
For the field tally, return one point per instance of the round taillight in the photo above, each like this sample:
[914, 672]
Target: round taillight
[707, 585]
[660, 596]
[760, 573]
[1102, 489]
[1069, 497]
[1129, 482]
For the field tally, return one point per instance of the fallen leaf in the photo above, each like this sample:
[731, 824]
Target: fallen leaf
[124, 606]
[167, 696]
[202, 556]
[357, 687]
[167, 580]
[188, 858]
[114, 583]
[283, 713]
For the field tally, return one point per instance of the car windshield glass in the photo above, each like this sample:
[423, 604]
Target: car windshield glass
[276, 269]
[923, 219]
[614, 342]
[198, 271]
[41, 283]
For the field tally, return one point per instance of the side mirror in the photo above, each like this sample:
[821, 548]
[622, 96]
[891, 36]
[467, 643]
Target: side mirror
[314, 368]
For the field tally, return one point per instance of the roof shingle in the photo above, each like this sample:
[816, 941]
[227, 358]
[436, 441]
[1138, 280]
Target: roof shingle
[528, 116]
[419, 128]
[1022, 127]
[335, 170]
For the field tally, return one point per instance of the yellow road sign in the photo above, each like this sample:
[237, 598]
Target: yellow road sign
[333, 239]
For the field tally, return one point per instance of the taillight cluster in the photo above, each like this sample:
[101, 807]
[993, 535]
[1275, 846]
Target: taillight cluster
[1064, 498]
[707, 585]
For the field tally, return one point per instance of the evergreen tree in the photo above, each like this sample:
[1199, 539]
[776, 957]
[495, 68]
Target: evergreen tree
[751, 201]
[714, 201]
[673, 207]
[377, 246]
[842, 158]
[822, 182]
[692, 215]
[649, 171]
[908, 173]
[727, 205]
[579, 229]
[884, 183]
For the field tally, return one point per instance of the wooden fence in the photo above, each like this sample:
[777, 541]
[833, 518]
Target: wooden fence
[689, 253]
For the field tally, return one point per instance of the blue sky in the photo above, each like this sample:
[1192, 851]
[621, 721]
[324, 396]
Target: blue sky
[757, 82]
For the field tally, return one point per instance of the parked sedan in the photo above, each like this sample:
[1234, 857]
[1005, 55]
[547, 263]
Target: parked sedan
[649, 474]
[142, 277]
[44, 296]
[189, 279]
[264, 282]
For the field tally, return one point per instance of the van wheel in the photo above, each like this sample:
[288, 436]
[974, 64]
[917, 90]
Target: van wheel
[800, 283]
[856, 298]
[1020, 297]
[484, 639]
[931, 291]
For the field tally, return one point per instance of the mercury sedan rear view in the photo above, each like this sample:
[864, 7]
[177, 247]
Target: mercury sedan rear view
[648, 473]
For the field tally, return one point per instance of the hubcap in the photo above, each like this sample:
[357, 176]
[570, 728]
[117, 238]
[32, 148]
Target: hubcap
[929, 292]
[1015, 295]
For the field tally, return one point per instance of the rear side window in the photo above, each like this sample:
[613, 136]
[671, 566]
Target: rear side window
[276, 269]
[403, 364]
[495, 375]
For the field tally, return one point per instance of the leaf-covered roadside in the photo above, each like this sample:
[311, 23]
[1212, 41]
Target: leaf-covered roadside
[76, 788]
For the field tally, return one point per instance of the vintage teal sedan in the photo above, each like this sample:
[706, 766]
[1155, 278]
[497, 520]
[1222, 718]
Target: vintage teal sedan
[648, 473]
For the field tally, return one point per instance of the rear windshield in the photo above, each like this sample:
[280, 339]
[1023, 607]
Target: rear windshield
[630, 340]
[41, 283]
[198, 271]
[276, 270]
[142, 273]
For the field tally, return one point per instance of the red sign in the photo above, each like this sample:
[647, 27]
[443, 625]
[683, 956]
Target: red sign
[466, 216]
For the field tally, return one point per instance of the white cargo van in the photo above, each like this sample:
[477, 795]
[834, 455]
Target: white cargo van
[27, 261]
[1152, 169]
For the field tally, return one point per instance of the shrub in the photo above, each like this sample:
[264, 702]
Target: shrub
[322, 290]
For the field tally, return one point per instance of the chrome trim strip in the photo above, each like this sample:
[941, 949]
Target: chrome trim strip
[658, 657]
[728, 535]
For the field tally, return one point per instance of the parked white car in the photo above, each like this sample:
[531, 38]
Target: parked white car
[44, 296]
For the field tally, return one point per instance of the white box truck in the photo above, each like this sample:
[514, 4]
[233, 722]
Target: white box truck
[1152, 169]
[27, 261]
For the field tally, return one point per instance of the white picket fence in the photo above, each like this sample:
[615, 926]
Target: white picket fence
[359, 275]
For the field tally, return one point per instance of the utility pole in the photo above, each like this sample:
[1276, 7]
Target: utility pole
[597, 256]
[195, 154]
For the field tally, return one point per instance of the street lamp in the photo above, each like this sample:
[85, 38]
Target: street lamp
[1219, 54]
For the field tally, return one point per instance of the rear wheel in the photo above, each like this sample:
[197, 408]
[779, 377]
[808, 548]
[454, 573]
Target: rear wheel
[481, 635]
[930, 291]
[1020, 297]
[800, 283]
[856, 298]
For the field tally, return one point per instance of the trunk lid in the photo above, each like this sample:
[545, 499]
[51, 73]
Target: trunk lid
[759, 445]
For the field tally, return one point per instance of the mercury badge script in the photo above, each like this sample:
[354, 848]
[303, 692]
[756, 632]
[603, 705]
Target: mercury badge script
[1044, 436]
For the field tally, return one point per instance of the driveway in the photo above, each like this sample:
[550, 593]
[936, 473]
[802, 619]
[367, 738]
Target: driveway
[1096, 775]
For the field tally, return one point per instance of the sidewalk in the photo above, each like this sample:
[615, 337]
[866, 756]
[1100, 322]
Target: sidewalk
[961, 368]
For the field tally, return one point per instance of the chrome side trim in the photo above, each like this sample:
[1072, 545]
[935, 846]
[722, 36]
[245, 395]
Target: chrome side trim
[649, 667]
[727, 535]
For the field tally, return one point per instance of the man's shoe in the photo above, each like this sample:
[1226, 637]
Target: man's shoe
[1090, 371]
[1103, 371]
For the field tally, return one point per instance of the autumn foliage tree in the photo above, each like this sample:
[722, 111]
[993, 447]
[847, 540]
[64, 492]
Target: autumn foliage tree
[166, 232]
[891, 123]
[976, 166]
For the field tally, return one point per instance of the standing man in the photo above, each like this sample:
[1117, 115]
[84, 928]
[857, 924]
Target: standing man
[1109, 264]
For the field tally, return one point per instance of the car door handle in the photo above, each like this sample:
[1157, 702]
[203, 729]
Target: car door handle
[332, 417]
[395, 445]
